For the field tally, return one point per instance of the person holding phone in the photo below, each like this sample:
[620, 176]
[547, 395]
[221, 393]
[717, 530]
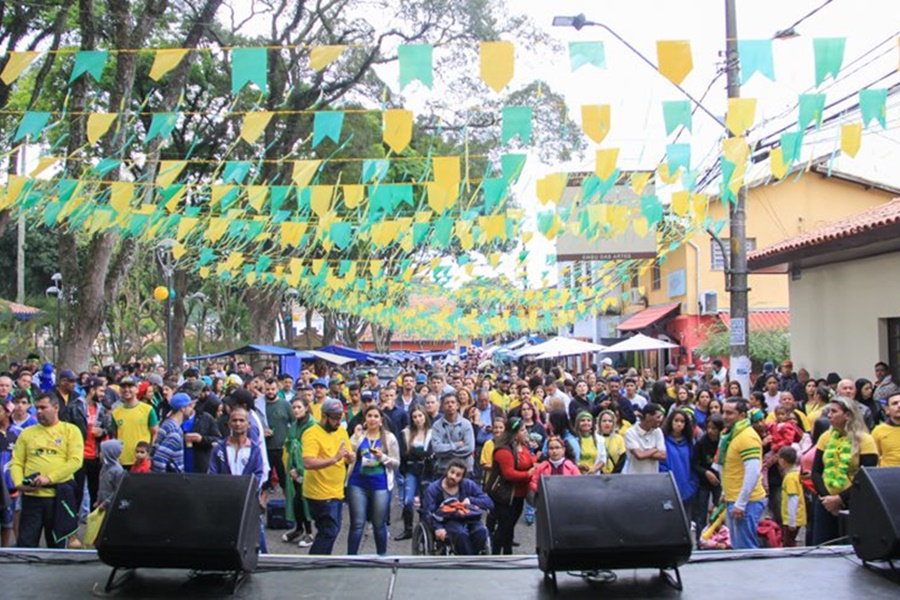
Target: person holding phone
[377, 457]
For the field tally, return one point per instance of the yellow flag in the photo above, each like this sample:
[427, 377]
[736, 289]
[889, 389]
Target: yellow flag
[320, 199]
[44, 163]
[98, 124]
[257, 195]
[777, 164]
[304, 171]
[595, 121]
[551, 187]
[169, 170]
[121, 194]
[254, 125]
[216, 229]
[219, 191]
[354, 195]
[178, 250]
[18, 62]
[493, 227]
[641, 227]
[375, 267]
[14, 187]
[736, 150]
[446, 170]
[398, 129]
[165, 60]
[497, 64]
[741, 114]
[664, 173]
[441, 198]
[675, 60]
[322, 56]
[606, 163]
[639, 181]
[851, 139]
[292, 233]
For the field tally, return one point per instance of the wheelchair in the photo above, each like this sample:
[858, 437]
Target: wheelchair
[424, 542]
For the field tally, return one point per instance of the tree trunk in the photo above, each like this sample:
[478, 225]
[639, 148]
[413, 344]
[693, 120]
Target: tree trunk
[382, 338]
[179, 318]
[264, 305]
[329, 328]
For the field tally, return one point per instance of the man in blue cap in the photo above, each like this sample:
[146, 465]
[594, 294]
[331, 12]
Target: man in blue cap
[320, 394]
[167, 454]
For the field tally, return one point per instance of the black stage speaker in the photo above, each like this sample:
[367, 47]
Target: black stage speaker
[610, 522]
[182, 521]
[875, 513]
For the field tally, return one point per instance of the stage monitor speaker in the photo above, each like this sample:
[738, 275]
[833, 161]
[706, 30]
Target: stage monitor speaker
[611, 522]
[875, 514]
[182, 521]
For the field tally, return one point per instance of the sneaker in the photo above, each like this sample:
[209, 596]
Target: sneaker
[74, 543]
[290, 536]
[306, 541]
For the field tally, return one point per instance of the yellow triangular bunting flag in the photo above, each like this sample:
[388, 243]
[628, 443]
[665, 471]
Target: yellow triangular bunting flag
[254, 125]
[675, 60]
[851, 139]
[595, 121]
[18, 62]
[165, 60]
[322, 56]
[497, 64]
[98, 124]
[398, 125]
[741, 115]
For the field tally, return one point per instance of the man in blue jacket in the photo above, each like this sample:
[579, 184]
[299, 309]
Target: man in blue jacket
[467, 535]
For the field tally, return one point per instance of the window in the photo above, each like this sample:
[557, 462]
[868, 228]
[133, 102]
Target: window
[656, 277]
[717, 262]
[635, 277]
[893, 330]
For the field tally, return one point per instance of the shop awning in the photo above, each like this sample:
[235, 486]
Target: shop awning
[648, 317]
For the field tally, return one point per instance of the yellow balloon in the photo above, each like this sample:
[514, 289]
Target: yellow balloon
[161, 293]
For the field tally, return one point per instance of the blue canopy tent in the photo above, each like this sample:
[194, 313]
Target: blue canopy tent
[289, 359]
[357, 355]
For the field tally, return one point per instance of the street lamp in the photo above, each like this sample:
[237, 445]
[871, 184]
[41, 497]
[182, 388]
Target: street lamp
[167, 263]
[56, 290]
[287, 307]
[736, 277]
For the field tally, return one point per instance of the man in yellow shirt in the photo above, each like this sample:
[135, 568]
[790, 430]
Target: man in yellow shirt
[44, 461]
[326, 454]
[133, 422]
[887, 435]
[740, 454]
[500, 395]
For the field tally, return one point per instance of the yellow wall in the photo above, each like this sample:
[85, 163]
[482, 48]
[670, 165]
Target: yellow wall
[775, 212]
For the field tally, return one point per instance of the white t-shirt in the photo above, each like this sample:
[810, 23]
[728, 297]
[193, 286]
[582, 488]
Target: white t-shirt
[772, 402]
[638, 439]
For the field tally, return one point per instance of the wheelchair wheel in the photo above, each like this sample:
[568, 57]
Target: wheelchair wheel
[487, 550]
[422, 542]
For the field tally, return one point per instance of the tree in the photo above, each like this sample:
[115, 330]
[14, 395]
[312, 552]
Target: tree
[765, 344]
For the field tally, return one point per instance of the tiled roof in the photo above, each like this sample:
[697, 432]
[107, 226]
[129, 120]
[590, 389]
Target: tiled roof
[20, 311]
[883, 215]
[763, 319]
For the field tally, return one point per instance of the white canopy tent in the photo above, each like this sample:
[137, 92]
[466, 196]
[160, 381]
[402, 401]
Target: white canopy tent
[638, 343]
[560, 346]
[331, 358]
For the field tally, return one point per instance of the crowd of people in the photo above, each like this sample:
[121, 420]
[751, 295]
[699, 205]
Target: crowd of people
[452, 443]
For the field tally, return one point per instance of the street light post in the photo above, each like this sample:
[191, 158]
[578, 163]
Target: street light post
[202, 298]
[287, 306]
[56, 290]
[167, 263]
[739, 363]
[736, 276]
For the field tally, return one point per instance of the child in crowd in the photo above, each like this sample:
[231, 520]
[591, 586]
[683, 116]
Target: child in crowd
[111, 473]
[784, 432]
[141, 458]
[793, 508]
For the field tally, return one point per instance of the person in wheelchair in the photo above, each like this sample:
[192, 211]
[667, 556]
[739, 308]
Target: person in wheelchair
[452, 509]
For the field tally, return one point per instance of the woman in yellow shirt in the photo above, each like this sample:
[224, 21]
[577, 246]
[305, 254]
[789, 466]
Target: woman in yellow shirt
[593, 450]
[613, 441]
[840, 452]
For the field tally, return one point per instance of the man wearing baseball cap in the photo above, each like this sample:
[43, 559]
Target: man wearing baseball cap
[132, 422]
[320, 394]
[65, 387]
[326, 454]
[168, 449]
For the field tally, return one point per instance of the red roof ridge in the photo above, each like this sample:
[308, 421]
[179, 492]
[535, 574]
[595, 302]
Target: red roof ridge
[876, 217]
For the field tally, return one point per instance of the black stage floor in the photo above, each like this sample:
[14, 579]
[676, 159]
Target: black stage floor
[833, 573]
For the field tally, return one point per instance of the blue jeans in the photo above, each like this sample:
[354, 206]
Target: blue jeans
[743, 532]
[327, 516]
[468, 537]
[375, 504]
[400, 486]
[410, 491]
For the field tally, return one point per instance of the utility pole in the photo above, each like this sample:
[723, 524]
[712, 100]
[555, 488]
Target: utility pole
[20, 236]
[739, 367]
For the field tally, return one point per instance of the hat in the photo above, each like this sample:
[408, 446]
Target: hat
[93, 382]
[320, 382]
[332, 407]
[367, 396]
[833, 378]
[692, 367]
[179, 401]
[768, 366]
[33, 356]
[155, 379]
[787, 363]
[67, 374]
[606, 361]
[505, 379]
[372, 371]
[127, 381]
[671, 369]
[421, 378]
[334, 381]
[301, 386]
[192, 372]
